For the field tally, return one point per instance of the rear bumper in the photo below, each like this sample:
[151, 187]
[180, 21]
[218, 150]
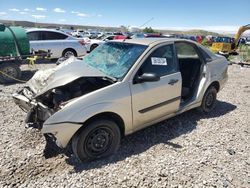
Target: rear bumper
[224, 80]
[82, 51]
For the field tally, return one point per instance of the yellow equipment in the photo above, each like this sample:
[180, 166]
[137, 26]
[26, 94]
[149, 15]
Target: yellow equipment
[227, 45]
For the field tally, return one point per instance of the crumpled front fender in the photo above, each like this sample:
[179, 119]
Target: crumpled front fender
[64, 124]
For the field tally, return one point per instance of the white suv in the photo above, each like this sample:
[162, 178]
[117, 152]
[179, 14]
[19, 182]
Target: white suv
[59, 43]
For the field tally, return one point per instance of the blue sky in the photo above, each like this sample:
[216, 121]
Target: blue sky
[176, 14]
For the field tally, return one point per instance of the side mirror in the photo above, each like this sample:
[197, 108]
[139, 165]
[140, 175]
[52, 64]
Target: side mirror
[147, 77]
[2, 27]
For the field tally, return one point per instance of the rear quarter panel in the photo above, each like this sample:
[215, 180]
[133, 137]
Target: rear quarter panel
[81, 50]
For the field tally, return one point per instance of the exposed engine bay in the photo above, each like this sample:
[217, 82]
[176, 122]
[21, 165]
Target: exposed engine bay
[40, 108]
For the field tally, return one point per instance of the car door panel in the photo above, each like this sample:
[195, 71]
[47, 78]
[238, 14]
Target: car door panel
[152, 100]
[53, 41]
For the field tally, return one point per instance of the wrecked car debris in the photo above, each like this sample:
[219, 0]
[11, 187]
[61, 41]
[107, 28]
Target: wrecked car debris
[41, 103]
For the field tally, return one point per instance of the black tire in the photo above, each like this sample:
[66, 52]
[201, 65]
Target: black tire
[98, 139]
[209, 100]
[12, 69]
[93, 46]
[69, 52]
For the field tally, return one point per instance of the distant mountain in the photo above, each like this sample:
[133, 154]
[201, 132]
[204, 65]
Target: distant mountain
[190, 32]
[85, 27]
[54, 25]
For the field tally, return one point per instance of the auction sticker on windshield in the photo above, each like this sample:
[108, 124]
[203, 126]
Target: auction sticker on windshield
[158, 61]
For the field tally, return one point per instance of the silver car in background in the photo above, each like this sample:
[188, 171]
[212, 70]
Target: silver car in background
[59, 43]
[119, 88]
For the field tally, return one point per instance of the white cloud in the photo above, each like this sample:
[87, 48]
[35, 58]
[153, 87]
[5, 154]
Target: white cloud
[75, 12]
[26, 9]
[59, 10]
[82, 14]
[14, 10]
[3, 13]
[99, 15]
[38, 16]
[41, 9]
[23, 12]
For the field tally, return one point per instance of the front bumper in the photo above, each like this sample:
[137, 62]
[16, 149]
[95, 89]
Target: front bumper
[61, 132]
[23, 99]
[36, 111]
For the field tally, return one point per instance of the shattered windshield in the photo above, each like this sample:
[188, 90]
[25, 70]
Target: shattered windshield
[114, 58]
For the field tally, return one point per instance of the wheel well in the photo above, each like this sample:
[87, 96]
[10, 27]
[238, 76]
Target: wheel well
[215, 84]
[106, 115]
[93, 46]
[69, 49]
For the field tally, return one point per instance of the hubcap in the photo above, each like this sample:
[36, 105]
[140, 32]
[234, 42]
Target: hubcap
[210, 100]
[68, 54]
[98, 141]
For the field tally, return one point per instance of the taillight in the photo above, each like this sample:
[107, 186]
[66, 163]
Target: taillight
[82, 42]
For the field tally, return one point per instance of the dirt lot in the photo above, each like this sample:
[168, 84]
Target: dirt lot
[190, 150]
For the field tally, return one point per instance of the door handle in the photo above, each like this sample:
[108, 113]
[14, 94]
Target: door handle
[173, 81]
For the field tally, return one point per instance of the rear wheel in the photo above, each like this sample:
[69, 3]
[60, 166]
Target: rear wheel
[69, 52]
[9, 72]
[209, 100]
[99, 139]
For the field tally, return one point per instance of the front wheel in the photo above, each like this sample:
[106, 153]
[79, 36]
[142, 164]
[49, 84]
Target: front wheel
[98, 139]
[209, 100]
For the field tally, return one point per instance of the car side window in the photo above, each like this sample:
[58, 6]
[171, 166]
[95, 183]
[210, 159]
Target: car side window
[34, 35]
[49, 35]
[186, 50]
[161, 62]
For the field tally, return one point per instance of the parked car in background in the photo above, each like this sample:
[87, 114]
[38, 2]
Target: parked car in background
[148, 35]
[109, 33]
[154, 35]
[106, 37]
[138, 35]
[120, 37]
[90, 34]
[91, 44]
[68, 31]
[119, 88]
[59, 43]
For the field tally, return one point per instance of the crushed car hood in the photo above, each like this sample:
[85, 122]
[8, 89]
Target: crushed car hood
[66, 72]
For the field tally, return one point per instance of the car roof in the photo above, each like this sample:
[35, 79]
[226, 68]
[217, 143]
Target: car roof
[44, 29]
[151, 41]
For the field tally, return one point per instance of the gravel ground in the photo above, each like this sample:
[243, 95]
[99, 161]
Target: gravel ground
[190, 150]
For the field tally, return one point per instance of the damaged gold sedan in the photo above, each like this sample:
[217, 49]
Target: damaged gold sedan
[119, 88]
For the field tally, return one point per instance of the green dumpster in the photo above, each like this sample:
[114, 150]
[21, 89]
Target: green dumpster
[13, 41]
